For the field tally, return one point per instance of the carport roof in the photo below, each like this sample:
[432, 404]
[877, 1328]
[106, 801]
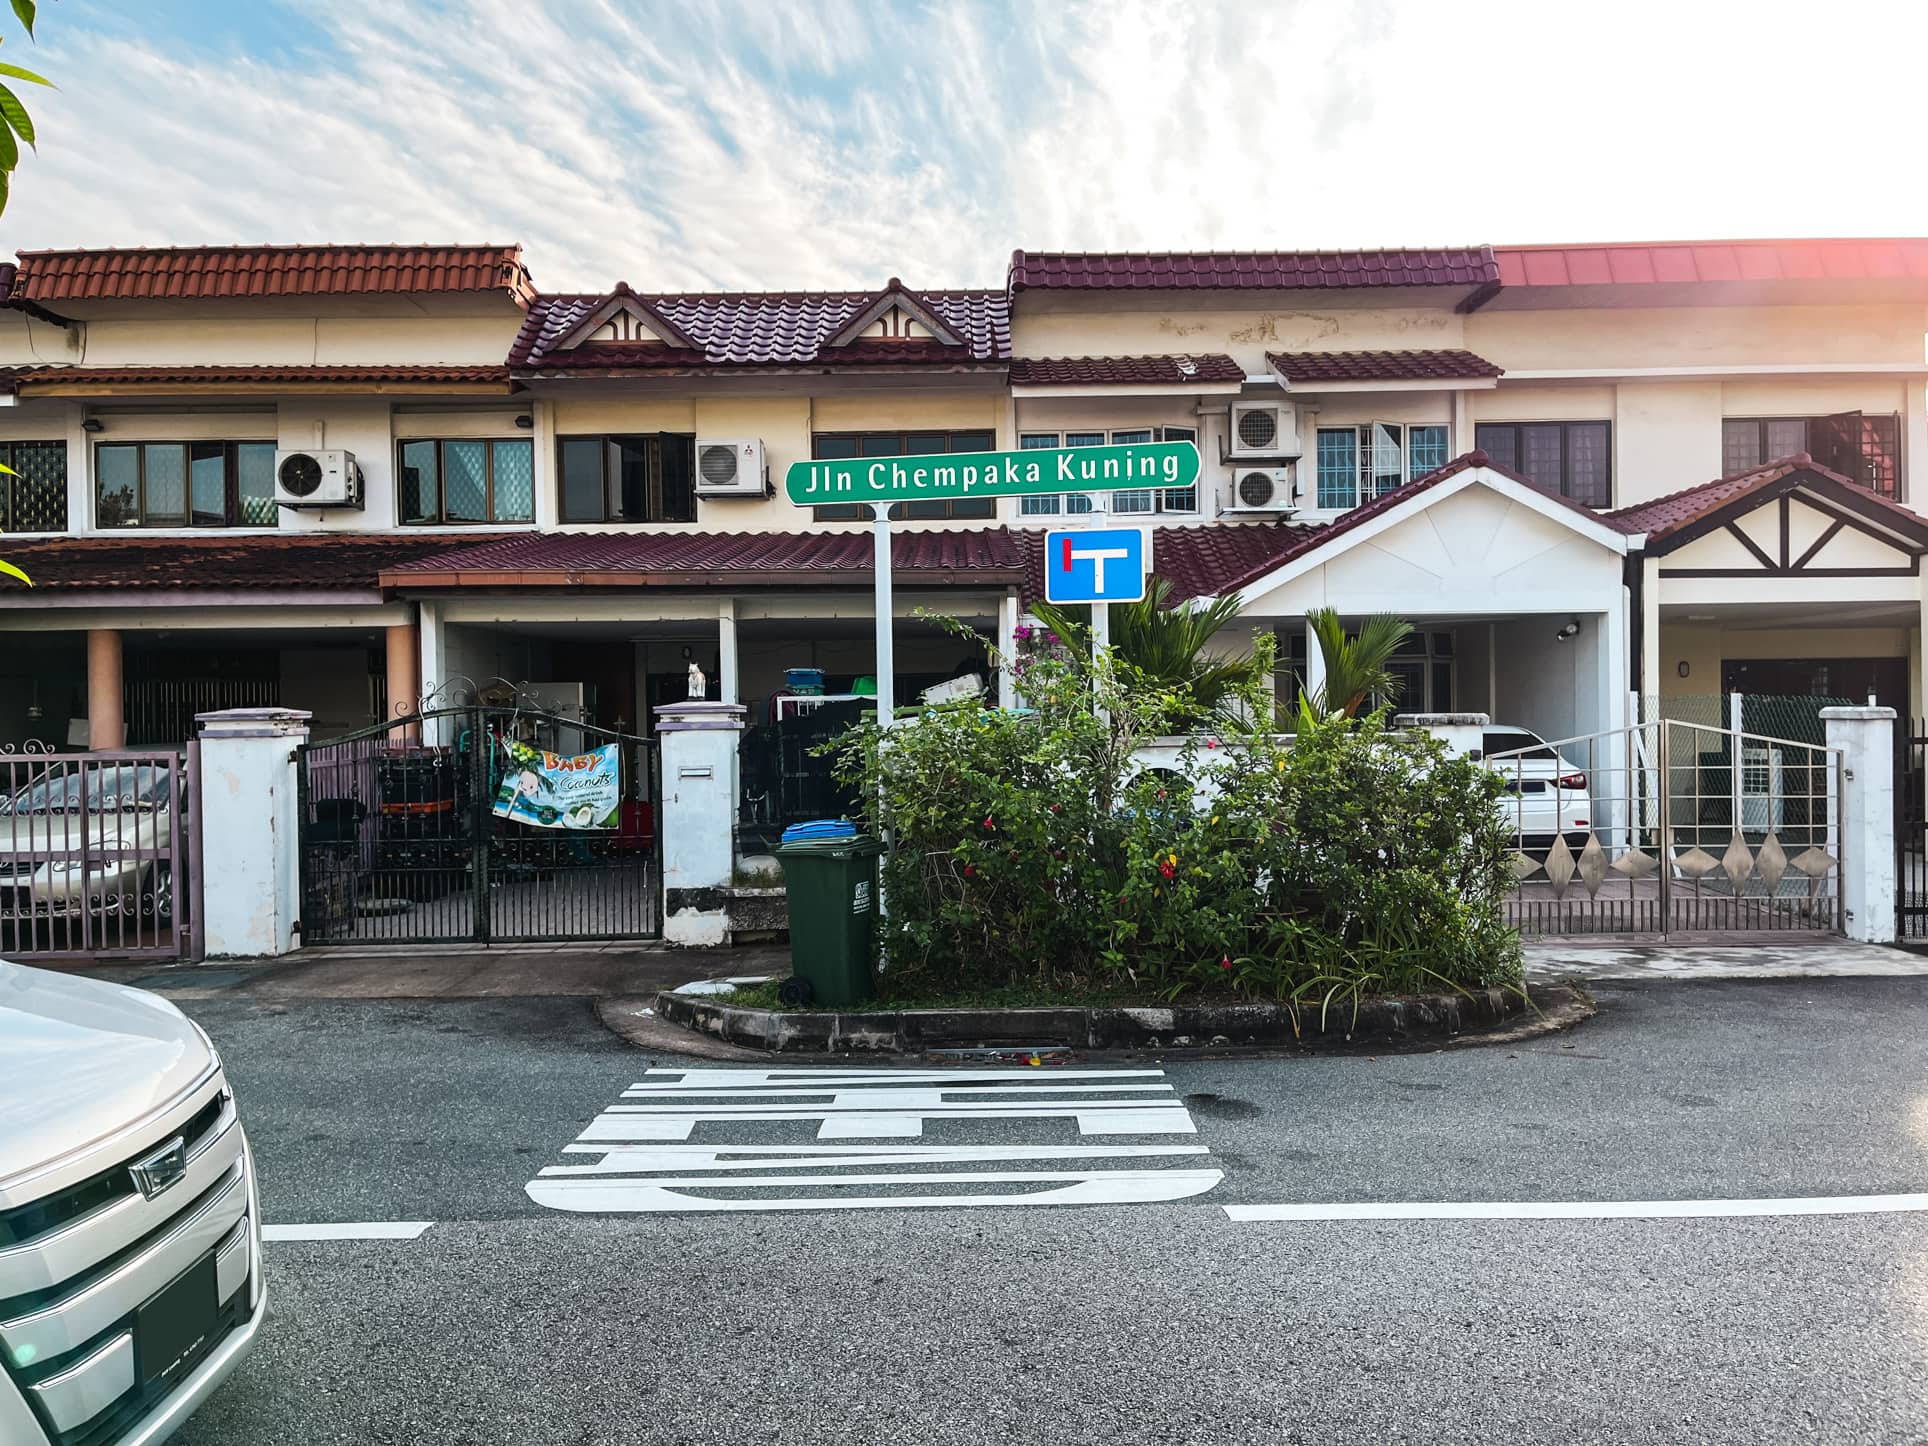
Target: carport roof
[1675, 519]
[281, 562]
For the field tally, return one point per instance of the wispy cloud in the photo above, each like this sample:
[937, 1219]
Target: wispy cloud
[836, 142]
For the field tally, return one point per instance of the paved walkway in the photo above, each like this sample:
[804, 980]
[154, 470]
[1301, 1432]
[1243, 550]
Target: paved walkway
[1656, 959]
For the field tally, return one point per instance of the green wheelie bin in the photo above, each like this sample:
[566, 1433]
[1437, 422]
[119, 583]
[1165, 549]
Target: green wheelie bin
[832, 885]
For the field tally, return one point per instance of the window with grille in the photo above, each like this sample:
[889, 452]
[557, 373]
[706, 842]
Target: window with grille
[184, 484]
[1574, 459]
[1358, 463]
[1137, 501]
[468, 479]
[34, 499]
[830, 446]
[1864, 447]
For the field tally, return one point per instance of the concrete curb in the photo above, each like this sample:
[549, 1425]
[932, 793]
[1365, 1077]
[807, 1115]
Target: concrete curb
[1435, 1020]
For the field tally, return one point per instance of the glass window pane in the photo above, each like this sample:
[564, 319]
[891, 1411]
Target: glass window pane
[117, 475]
[164, 482]
[1135, 435]
[254, 485]
[842, 512]
[1084, 439]
[882, 444]
[1033, 440]
[1039, 506]
[1785, 437]
[678, 462]
[1178, 434]
[924, 444]
[1178, 499]
[421, 489]
[629, 479]
[1499, 441]
[921, 511]
[513, 464]
[1388, 457]
[1540, 453]
[1740, 444]
[831, 448]
[1079, 503]
[582, 492]
[972, 509]
[39, 492]
[1138, 499]
[208, 483]
[1338, 467]
[1426, 449]
[1589, 464]
[1442, 695]
[465, 481]
[972, 441]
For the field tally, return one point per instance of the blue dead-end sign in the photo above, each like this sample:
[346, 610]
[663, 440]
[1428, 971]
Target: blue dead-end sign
[1091, 566]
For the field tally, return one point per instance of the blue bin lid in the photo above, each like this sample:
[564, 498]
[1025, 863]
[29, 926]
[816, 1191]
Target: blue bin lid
[820, 831]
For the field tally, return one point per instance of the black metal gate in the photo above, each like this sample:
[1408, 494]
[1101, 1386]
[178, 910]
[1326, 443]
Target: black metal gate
[445, 827]
[1911, 831]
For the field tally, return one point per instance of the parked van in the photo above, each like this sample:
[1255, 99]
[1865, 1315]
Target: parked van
[1547, 796]
[130, 1236]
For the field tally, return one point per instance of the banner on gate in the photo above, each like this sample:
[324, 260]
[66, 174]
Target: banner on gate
[551, 791]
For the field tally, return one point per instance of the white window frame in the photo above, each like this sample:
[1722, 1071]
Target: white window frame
[1052, 504]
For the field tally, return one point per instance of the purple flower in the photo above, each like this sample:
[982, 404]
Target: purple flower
[1051, 638]
[1024, 632]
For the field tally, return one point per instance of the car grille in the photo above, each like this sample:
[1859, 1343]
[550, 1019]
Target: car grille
[77, 1266]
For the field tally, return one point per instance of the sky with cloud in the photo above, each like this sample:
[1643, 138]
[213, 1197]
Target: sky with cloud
[778, 143]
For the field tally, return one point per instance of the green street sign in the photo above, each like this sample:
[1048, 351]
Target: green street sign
[992, 474]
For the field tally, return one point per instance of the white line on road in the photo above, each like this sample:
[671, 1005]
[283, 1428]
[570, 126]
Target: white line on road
[349, 1230]
[1583, 1209]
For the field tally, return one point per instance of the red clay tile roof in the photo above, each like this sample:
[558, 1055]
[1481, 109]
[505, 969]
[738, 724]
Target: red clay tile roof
[1648, 263]
[714, 559]
[1250, 270]
[217, 271]
[765, 329]
[1301, 367]
[292, 376]
[287, 561]
[1661, 517]
[1122, 371]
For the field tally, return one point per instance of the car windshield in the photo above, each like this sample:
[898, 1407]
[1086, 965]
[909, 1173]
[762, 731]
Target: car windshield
[115, 788]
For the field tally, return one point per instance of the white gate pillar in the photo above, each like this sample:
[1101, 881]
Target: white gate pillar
[1865, 737]
[250, 863]
[698, 823]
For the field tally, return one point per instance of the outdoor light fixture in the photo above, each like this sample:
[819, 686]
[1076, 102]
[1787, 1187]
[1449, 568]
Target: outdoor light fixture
[93, 424]
[1571, 630]
[1682, 668]
[525, 422]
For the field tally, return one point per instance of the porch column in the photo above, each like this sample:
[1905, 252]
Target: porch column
[726, 676]
[1865, 820]
[105, 728]
[1650, 654]
[1314, 663]
[698, 816]
[404, 673]
[1007, 648]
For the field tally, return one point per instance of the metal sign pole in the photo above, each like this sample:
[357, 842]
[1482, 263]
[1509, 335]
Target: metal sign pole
[886, 652]
[1100, 640]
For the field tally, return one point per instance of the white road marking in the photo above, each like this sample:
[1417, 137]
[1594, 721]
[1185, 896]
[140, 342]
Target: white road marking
[638, 1169]
[352, 1230]
[1585, 1209]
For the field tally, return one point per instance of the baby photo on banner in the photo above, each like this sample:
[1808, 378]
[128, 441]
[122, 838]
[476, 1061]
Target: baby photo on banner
[551, 791]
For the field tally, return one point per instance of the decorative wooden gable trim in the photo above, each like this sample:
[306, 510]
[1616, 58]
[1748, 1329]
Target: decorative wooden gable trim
[1796, 529]
[895, 314]
[624, 319]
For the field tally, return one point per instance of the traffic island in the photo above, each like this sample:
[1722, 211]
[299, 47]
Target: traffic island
[1430, 1021]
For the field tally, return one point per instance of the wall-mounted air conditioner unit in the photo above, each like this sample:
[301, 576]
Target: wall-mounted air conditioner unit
[1262, 429]
[1264, 489]
[730, 469]
[317, 478]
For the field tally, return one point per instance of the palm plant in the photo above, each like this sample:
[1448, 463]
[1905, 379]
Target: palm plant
[1356, 664]
[1164, 644]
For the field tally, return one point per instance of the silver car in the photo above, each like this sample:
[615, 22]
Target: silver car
[94, 838]
[130, 1236]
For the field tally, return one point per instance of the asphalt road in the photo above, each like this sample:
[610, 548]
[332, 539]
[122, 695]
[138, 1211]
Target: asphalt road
[509, 1323]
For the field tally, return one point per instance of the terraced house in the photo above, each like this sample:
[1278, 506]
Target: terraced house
[351, 479]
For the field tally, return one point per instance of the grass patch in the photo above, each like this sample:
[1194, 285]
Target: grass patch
[764, 996]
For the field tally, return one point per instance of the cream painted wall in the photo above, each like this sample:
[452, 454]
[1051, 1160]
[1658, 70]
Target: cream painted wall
[317, 340]
[1703, 647]
[1608, 339]
[1666, 437]
[1246, 334]
[1544, 402]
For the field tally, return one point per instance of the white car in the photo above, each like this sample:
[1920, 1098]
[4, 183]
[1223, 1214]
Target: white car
[94, 838]
[130, 1236]
[1547, 796]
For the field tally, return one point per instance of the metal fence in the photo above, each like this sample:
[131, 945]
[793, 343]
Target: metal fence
[1674, 827]
[401, 841]
[98, 855]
